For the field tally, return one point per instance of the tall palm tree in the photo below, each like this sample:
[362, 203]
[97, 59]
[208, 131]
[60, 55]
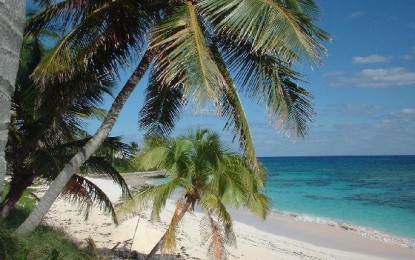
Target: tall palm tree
[45, 131]
[205, 174]
[12, 18]
[204, 50]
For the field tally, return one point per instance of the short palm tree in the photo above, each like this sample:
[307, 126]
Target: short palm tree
[205, 174]
[46, 130]
[200, 50]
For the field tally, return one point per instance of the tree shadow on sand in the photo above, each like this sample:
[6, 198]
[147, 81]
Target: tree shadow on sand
[125, 253]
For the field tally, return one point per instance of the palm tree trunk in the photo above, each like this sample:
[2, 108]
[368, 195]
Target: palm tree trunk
[12, 18]
[58, 185]
[177, 217]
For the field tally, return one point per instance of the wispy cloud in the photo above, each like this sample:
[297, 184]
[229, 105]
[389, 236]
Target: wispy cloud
[375, 78]
[390, 133]
[354, 15]
[405, 116]
[370, 59]
[360, 110]
[408, 57]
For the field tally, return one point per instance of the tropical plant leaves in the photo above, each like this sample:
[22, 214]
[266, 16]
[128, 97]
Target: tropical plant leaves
[269, 25]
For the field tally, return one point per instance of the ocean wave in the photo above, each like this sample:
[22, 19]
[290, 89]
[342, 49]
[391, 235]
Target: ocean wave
[363, 231]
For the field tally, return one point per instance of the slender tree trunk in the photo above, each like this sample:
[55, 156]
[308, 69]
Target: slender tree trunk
[58, 185]
[12, 18]
[177, 217]
[16, 191]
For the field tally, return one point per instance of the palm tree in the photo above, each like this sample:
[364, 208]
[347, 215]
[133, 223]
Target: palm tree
[45, 131]
[205, 174]
[12, 18]
[205, 50]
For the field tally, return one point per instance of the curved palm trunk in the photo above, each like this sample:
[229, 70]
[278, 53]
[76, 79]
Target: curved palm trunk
[58, 185]
[178, 215]
[12, 18]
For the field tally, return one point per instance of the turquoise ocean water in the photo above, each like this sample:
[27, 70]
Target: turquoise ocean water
[370, 191]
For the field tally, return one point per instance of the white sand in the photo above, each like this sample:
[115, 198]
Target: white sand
[298, 239]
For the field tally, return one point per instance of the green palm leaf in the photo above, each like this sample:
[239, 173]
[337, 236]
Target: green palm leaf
[270, 25]
[109, 36]
[272, 83]
[184, 52]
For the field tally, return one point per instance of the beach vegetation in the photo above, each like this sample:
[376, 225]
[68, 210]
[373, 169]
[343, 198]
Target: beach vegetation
[203, 175]
[204, 51]
[46, 130]
[43, 243]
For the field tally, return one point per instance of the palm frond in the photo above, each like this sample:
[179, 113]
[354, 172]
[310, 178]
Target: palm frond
[109, 35]
[232, 108]
[184, 52]
[153, 159]
[158, 195]
[270, 25]
[212, 232]
[259, 204]
[44, 163]
[86, 194]
[272, 83]
[214, 205]
[161, 109]
[102, 167]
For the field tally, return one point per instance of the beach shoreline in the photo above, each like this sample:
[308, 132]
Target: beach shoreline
[281, 236]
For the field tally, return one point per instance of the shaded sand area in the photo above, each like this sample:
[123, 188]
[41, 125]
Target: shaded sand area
[279, 237]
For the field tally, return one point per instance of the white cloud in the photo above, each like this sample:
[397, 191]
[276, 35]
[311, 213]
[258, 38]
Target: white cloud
[370, 59]
[352, 109]
[408, 57]
[355, 15]
[376, 78]
[405, 116]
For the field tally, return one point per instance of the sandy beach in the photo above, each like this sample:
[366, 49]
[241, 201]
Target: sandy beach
[279, 237]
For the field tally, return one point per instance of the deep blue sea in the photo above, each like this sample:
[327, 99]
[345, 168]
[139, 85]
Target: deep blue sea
[370, 191]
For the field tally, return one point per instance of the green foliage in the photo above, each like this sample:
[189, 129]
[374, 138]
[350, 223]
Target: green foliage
[43, 243]
[46, 130]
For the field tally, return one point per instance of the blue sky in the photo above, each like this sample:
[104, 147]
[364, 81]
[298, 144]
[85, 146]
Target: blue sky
[364, 93]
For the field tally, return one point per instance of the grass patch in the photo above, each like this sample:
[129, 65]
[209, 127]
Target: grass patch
[43, 243]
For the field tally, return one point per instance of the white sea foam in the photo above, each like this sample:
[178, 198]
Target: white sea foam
[363, 231]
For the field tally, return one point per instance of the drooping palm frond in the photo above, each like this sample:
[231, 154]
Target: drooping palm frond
[214, 205]
[109, 35]
[102, 167]
[232, 108]
[184, 52]
[161, 109]
[259, 204]
[86, 194]
[158, 195]
[270, 25]
[272, 83]
[212, 233]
